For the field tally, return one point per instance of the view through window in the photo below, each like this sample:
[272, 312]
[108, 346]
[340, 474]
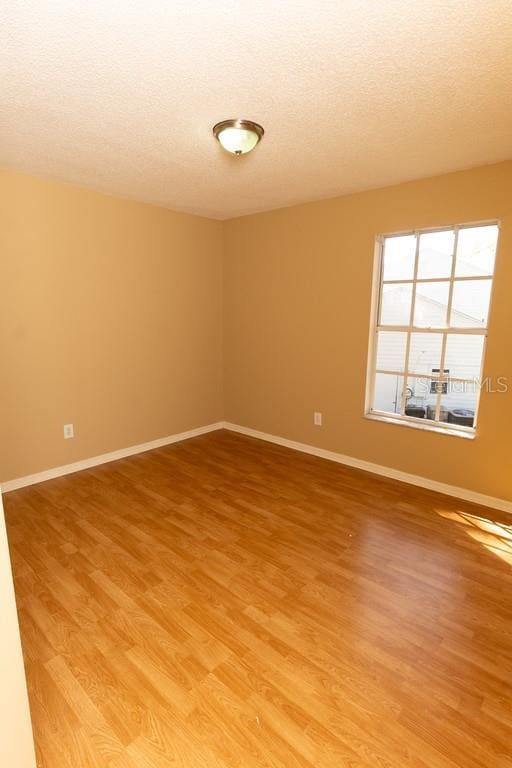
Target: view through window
[427, 348]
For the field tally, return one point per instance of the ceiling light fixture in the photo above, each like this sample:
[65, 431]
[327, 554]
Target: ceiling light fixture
[238, 136]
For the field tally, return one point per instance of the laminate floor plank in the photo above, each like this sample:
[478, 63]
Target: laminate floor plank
[228, 603]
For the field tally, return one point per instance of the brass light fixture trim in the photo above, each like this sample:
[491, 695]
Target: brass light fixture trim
[238, 128]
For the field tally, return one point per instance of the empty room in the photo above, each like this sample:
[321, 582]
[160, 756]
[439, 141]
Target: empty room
[256, 384]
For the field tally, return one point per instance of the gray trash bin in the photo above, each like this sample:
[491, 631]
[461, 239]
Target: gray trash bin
[463, 416]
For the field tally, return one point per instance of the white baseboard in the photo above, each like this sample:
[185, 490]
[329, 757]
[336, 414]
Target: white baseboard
[340, 458]
[104, 458]
[378, 469]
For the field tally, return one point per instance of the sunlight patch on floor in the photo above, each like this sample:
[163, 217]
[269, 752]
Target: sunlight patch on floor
[495, 537]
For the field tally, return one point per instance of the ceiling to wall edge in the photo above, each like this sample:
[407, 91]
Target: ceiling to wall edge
[297, 204]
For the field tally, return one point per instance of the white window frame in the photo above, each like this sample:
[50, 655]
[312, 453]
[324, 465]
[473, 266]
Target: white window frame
[401, 418]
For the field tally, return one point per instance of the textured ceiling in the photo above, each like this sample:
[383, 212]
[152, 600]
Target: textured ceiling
[121, 95]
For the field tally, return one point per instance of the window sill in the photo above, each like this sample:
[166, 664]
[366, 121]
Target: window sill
[466, 435]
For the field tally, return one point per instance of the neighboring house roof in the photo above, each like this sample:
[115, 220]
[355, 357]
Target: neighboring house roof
[401, 299]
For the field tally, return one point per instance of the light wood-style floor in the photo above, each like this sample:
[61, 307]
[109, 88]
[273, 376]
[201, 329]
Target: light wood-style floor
[226, 602]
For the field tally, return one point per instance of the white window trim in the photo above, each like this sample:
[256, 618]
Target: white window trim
[454, 430]
[371, 370]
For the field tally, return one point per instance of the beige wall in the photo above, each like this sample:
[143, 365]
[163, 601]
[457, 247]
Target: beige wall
[110, 318]
[16, 743]
[297, 306]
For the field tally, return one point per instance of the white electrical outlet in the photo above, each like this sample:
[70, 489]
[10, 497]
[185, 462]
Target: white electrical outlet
[317, 419]
[69, 431]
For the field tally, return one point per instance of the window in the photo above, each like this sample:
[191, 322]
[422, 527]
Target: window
[432, 294]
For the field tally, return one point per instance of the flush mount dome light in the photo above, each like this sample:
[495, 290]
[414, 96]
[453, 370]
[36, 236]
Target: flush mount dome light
[238, 136]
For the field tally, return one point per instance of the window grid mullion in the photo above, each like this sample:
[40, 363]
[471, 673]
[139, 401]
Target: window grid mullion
[411, 321]
[461, 279]
[460, 330]
[429, 376]
[445, 333]
[382, 243]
